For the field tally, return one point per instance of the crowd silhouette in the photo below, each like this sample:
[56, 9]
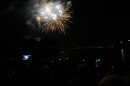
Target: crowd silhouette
[52, 72]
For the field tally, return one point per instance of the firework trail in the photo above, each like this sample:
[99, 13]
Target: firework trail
[51, 15]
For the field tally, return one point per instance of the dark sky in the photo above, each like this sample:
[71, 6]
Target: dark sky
[100, 22]
[94, 22]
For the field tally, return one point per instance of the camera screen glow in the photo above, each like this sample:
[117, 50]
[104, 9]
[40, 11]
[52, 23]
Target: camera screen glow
[26, 57]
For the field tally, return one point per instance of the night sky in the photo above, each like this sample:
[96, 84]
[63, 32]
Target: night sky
[94, 23]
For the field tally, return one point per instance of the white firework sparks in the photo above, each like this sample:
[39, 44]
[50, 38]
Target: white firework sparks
[53, 15]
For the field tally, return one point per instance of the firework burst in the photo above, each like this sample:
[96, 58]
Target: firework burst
[53, 15]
